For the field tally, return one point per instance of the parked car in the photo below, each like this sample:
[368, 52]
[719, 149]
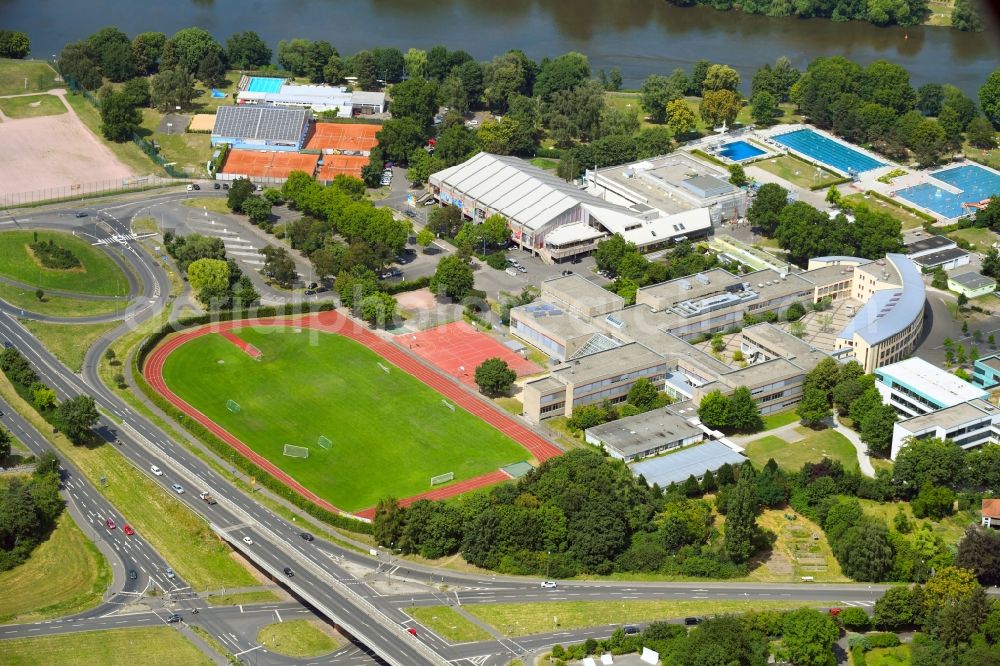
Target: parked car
[410, 213]
[177, 488]
[260, 188]
[548, 584]
[288, 572]
[310, 292]
[195, 186]
[110, 524]
[692, 621]
[216, 186]
[631, 630]
[521, 269]
[225, 186]
[834, 612]
[391, 273]
[156, 470]
[127, 529]
[248, 541]
[307, 536]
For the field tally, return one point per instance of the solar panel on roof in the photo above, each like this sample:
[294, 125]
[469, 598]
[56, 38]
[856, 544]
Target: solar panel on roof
[260, 123]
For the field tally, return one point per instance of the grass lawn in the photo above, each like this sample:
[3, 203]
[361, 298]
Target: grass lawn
[182, 538]
[98, 274]
[897, 656]
[390, 432]
[797, 172]
[950, 529]
[32, 107]
[214, 204]
[297, 638]
[129, 153]
[57, 306]
[69, 342]
[109, 647]
[190, 152]
[989, 157]
[980, 239]
[64, 575]
[259, 597]
[39, 75]
[907, 219]
[814, 445]
[448, 623]
[545, 163]
[795, 552]
[778, 419]
[205, 103]
[536, 618]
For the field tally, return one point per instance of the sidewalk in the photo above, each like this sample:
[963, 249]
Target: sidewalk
[862, 449]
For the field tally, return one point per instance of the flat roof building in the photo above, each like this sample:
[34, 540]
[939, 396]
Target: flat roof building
[972, 284]
[986, 371]
[261, 127]
[696, 460]
[968, 424]
[280, 92]
[914, 387]
[551, 217]
[645, 435]
[948, 259]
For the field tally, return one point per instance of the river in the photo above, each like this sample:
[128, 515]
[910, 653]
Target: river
[638, 36]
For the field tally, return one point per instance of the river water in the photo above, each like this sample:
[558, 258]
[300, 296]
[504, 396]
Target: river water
[638, 36]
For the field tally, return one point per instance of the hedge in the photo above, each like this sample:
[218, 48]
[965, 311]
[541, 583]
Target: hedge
[827, 185]
[882, 639]
[553, 153]
[219, 447]
[705, 156]
[220, 160]
[407, 285]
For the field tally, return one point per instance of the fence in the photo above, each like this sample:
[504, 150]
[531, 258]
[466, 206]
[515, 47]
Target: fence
[83, 190]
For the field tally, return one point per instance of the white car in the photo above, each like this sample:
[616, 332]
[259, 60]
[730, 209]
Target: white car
[548, 584]
[177, 488]
[156, 470]
[248, 541]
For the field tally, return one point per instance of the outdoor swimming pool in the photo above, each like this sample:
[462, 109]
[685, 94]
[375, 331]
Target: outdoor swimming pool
[827, 151]
[264, 84]
[975, 183]
[738, 151]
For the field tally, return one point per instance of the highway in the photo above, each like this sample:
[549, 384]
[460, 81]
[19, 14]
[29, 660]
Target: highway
[322, 570]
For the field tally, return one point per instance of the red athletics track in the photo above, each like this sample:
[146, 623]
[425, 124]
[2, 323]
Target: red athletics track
[334, 322]
[251, 351]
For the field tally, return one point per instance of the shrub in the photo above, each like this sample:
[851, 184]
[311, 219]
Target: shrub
[882, 639]
[855, 618]
[53, 256]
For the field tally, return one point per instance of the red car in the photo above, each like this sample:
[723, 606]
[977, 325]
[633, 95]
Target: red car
[834, 612]
[110, 524]
[412, 631]
[127, 529]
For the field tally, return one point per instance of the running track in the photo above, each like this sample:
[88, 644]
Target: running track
[334, 322]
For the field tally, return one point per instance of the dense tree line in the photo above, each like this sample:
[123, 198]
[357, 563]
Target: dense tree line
[29, 508]
[879, 12]
[14, 44]
[581, 512]
[805, 231]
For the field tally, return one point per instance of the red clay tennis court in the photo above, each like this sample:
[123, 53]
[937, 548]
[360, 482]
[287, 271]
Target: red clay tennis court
[268, 164]
[457, 348]
[358, 137]
[334, 165]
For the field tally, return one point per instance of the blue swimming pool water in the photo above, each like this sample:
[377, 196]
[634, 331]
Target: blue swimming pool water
[263, 84]
[827, 151]
[218, 94]
[738, 151]
[975, 182]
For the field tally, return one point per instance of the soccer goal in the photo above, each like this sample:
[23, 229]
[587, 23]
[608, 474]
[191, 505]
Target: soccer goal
[233, 406]
[384, 369]
[324, 442]
[442, 478]
[448, 405]
[293, 451]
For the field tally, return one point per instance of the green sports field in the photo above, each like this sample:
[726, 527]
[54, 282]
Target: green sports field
[390, 432]
[97, 275]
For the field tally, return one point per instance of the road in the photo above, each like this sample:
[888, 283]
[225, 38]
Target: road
[322, 570]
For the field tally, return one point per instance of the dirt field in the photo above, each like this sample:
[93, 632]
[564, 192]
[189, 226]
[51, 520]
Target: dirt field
[53, 152]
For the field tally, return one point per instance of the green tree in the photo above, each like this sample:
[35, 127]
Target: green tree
[42, 397]
[258, 209]
[78, 63]
[244, 293]
[494, 377]
[876, 428]
[416, 100]
[399, 138]
[240, 190]
[656, 94]
[721, 77]
[764, 108]
[737, 176]
[279, 266]
[981, 134]
[562, 73]
[681, 120]
[897, 608]
[212, 69]
[814, 408]
[808, 636]
[136, 91]
[119, 118]
[643, 395]
[933, 502]
[208, 278]
[424, 238]
[171, 88]
[453, 278]
[766, 208]
[743, 415]
[113, 49]
[741, 517]
[187, 48]
[14, 44]
[304, 57]
[928, 461]
[979, 552]
[76, 417]
[713, 410]
[146, 50]
[246, 50]
[855, 619]
[720, 106]
[378, 309]
[965, 15]
[864, 551]
[455, 144]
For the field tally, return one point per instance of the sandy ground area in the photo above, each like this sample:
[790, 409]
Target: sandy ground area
[53, 152]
